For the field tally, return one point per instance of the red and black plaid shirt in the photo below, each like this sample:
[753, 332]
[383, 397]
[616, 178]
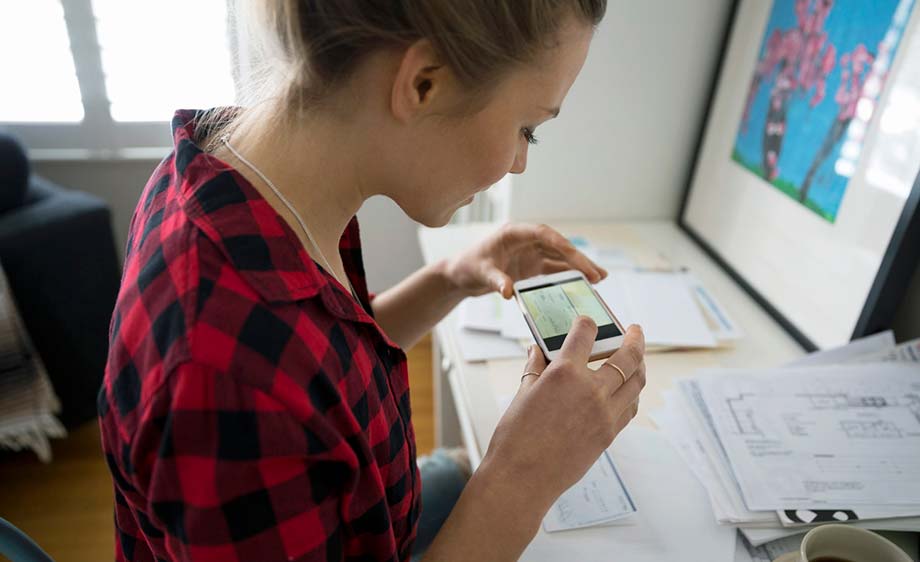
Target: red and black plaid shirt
[252, 410]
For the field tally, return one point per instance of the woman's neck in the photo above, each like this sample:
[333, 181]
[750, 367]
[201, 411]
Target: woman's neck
[314, 166]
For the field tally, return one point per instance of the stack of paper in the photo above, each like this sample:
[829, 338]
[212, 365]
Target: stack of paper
[832, 438]
[491, 328]
[673, 307]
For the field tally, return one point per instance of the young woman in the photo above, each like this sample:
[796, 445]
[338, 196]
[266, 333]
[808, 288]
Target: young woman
[255, 405]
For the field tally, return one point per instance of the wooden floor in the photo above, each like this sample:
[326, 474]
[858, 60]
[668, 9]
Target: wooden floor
[66, 506]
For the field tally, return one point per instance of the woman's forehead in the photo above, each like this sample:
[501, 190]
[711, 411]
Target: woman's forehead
[550, 76]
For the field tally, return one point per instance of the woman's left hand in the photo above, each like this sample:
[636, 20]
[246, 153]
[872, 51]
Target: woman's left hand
[515, 252]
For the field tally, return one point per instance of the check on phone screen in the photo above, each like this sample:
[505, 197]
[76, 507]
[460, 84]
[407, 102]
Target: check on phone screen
[554, 306]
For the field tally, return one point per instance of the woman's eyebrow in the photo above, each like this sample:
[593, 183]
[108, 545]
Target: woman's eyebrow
[554, 111]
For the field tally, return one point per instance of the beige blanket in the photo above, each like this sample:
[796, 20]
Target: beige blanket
[27, 400]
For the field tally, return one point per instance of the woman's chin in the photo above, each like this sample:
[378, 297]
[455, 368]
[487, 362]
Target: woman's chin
[435, 220]
[438, 219]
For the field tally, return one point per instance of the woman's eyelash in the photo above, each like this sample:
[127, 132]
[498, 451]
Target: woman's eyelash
[528, 135]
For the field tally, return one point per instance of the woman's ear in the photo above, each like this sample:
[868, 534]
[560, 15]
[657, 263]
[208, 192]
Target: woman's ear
[420, 79]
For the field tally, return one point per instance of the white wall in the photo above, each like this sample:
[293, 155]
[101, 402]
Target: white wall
[389, 243]
[623, 143]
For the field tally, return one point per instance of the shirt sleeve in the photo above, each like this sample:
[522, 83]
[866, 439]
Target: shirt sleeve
[231, 474]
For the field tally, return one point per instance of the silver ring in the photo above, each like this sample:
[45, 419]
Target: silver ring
[528, 373]
[619, 370]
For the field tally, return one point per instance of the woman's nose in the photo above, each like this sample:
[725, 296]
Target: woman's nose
[520, 162]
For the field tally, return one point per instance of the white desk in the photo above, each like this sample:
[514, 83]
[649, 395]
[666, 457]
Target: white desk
[467, 394]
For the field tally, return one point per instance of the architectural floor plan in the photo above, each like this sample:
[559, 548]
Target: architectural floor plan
[837, 436]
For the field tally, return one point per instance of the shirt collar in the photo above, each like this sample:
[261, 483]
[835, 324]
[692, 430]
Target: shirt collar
[254, 238]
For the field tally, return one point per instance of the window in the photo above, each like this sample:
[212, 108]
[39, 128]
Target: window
[40, 82]
[160, 56]
[103, 77]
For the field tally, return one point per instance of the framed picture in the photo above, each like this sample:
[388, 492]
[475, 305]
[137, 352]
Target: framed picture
[807, 176]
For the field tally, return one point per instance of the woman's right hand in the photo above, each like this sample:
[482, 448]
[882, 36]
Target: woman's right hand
[561, 421]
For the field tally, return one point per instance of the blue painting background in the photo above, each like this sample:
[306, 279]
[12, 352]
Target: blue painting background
[849, 23]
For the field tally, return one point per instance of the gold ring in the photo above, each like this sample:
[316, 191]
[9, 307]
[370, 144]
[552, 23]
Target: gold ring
[619, 370]
[528, 373]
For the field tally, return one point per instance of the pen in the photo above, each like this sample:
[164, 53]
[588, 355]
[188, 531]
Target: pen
[681, 269]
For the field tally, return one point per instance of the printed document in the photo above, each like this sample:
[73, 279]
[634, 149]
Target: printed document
[662, 303]
[829, 436]
[599, 497]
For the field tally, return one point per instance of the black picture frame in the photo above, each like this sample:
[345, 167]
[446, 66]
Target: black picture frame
[895, 271]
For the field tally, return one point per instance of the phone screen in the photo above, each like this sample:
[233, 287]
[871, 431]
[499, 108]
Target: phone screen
[553, 307]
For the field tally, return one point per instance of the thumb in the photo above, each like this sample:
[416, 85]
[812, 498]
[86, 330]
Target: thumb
[536, 363]
[499, 281]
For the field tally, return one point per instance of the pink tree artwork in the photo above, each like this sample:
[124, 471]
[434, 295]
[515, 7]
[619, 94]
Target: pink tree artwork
[855, 68]
[798, 61]
[822, 65]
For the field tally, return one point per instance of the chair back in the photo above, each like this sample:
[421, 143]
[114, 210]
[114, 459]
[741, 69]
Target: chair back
[18, 547]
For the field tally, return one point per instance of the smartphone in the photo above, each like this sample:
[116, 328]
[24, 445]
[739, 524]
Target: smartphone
[551, 302]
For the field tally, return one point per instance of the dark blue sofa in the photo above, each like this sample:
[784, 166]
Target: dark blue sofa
[58, 252]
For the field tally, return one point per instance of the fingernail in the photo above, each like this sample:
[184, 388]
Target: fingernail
[530, 351]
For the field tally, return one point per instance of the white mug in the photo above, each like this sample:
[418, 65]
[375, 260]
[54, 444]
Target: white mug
[845, 542]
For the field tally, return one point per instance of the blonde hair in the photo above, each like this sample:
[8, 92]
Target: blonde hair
[306, 49]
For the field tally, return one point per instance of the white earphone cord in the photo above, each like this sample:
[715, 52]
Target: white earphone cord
[226, 141]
